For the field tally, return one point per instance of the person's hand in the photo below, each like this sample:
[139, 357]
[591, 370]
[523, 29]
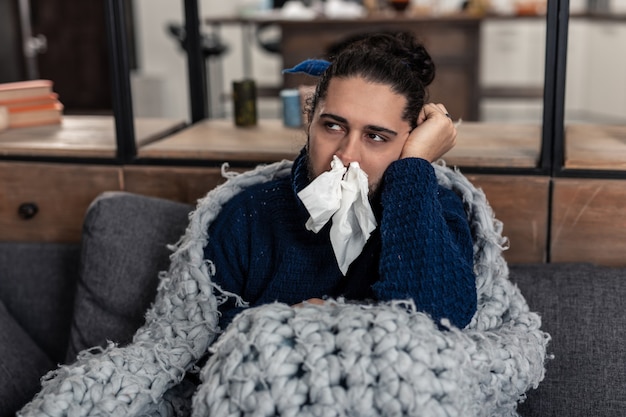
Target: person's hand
[434, 135]
[316, 301]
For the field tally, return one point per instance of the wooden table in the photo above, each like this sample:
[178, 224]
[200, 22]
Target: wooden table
[81, 136]
[61, 192]
[499, 145]
[478, 144]
[219, 140]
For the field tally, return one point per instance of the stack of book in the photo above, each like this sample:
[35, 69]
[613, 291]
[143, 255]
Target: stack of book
[29, 103]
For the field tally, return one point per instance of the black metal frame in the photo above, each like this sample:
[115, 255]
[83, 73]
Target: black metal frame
[554, 84]
[554, 100]
[196, 65]
[120, 73]
[116, 19]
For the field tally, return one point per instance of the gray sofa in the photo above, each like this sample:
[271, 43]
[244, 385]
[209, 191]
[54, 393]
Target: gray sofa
[58, 299]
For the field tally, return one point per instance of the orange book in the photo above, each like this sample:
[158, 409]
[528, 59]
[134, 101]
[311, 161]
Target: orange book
[36, 115]
[24, 89]
[31, 101]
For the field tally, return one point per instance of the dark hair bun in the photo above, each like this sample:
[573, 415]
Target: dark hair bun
[395, 44]
[415, 55]
[423, 65]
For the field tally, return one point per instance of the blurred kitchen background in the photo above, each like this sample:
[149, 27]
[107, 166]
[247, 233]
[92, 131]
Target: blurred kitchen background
[67, 43]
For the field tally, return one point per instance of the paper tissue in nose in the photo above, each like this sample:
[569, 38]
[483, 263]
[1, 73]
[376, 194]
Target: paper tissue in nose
[341, 194]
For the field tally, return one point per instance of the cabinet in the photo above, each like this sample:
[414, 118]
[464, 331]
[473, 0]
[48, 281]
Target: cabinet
[521, 203]
[452, 42]
[589, 221]
[512, 68]
[184, 184]
[47, 202]
[588, 213]
[511, 52]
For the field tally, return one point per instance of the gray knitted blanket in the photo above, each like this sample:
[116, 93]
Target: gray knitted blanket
[340, 359]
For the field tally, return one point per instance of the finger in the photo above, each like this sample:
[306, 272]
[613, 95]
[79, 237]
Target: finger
[435, 108]
[421, 116]
[443, 109]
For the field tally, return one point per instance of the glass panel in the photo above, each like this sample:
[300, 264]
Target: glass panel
[595, 104]
[512, 69]
[159, 82]
[596, 81]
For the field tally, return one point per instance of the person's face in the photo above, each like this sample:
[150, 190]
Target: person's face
[358, 121]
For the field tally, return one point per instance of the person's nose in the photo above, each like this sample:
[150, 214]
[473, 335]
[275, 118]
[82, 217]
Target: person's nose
[349, 149]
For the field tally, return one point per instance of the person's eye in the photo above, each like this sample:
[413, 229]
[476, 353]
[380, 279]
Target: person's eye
[376, 137]
[332, 126]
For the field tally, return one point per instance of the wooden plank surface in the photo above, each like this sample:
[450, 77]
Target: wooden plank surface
[501, 145]
[591, 146]
[221, 141]
[478, 144]
[589, 221]
[521, 203]
[183, 184]
[80, 136]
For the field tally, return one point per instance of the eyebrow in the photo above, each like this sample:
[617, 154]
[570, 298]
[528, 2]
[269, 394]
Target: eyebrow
[374, 128]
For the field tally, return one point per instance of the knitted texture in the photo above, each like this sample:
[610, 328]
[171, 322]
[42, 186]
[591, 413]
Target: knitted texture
[337, 359]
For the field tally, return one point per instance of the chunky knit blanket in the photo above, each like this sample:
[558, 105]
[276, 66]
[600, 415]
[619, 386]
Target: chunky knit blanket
[339, 359]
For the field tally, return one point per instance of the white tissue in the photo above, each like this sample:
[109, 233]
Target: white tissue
[341, 194]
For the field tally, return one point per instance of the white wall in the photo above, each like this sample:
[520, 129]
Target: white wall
[513, 54]
[160, 83]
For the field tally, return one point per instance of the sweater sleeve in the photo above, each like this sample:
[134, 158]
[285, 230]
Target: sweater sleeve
[228, 253]
[427, 248]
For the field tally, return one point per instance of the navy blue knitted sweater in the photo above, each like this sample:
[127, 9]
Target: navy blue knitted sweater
[422, 248]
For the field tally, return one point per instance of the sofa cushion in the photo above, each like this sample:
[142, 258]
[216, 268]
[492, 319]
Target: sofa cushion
[22, 364]
[37, 286]
[124, 246]
[582, 308]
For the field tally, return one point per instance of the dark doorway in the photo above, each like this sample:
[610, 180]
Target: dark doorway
[76, 58]
[12, 67]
